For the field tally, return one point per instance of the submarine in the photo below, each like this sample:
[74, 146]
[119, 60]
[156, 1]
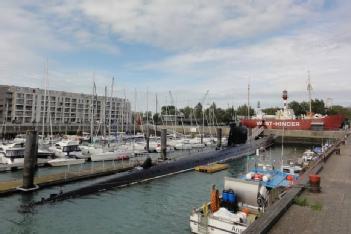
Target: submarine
[237, 147]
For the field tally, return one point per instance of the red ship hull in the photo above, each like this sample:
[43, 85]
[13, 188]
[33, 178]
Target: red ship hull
[331, 122]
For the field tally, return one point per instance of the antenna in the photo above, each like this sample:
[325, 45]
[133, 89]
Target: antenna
[309, 89]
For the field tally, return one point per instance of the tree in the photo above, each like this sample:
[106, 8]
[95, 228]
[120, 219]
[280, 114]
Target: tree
[168, 110]
[187, 111]
[318, 106]
[298, 108]
[270, 110]
[198, 111]
[242, 110]
[156, 118]
[334, 110]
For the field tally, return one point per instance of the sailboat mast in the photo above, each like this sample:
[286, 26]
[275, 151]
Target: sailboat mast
[248, 100]
[110, 111]
[282, 153]
[44, 111]
[123, 109]
[156, 119]
[135, 107]
[309, 89]
[92, 110]
[147, 110]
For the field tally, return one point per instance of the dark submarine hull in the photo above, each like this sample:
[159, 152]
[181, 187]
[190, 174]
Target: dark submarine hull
[161, 169]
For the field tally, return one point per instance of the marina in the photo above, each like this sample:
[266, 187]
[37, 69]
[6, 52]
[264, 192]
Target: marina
[175, 117]
[145, 202]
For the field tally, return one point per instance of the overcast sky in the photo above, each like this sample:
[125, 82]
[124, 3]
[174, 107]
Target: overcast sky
[184, 46]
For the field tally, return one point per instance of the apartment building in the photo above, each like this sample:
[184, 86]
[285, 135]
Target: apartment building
[33, 106]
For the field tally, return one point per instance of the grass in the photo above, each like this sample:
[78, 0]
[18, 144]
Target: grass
[316, 207]
[302, 201]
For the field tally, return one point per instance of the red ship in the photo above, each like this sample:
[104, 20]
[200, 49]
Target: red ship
[286, 119]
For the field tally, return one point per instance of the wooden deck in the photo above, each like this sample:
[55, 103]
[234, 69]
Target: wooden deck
[9, 187]
[212, 168]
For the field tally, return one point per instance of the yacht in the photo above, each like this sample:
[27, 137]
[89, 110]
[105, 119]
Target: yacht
[67, 148]
[12, 153]
[109, 155]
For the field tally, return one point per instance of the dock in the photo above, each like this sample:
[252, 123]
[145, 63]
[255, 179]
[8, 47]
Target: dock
[212, 168]
[10, 187]
[282, 217]
[328, 211]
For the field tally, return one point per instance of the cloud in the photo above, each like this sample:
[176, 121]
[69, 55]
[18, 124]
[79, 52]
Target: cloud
[182, 24]
[271, 65]
[198, 45]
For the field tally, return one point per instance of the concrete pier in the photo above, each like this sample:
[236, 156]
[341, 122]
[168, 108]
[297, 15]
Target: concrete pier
[30, 161]
[164, 144]
[219, 137]
[333, 213]
[147, 139]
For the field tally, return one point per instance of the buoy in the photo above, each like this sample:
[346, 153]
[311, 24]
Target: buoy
[245, 210]
[290, 177]
[258, 176]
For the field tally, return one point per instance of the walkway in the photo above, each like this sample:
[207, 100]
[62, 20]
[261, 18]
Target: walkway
[335, 200]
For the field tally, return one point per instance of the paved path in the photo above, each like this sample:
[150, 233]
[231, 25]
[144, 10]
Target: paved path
[335, 198]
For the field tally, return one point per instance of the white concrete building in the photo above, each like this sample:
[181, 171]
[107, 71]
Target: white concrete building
[25, 106]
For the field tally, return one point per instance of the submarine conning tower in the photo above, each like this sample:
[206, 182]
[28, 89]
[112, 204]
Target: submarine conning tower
[237, 134]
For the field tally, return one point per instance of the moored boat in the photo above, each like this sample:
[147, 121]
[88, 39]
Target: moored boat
[243, 200]
[286, 119]
[65, 161]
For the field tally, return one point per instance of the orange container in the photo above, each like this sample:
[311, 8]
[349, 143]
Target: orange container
[290, 177]
[246, 210]
[315, 179]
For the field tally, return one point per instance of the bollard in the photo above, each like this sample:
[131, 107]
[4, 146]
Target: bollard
[314, 181]
[164, 144]
[219, 137]
[147, 138]
[30, 161]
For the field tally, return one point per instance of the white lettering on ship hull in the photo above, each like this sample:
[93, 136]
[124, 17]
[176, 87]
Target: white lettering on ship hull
[279, 123]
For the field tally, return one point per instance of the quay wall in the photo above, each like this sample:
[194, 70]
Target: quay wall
[304, 136]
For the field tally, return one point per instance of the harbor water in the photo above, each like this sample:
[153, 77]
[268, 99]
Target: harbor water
[158, 206]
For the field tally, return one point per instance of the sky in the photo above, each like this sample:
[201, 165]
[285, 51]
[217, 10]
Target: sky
[179, 49]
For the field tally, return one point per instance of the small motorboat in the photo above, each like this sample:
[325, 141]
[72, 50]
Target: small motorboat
[58, 162]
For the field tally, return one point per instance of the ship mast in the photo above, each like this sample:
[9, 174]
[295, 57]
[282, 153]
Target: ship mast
[309, 89]
[248, 100]
[285, 99]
